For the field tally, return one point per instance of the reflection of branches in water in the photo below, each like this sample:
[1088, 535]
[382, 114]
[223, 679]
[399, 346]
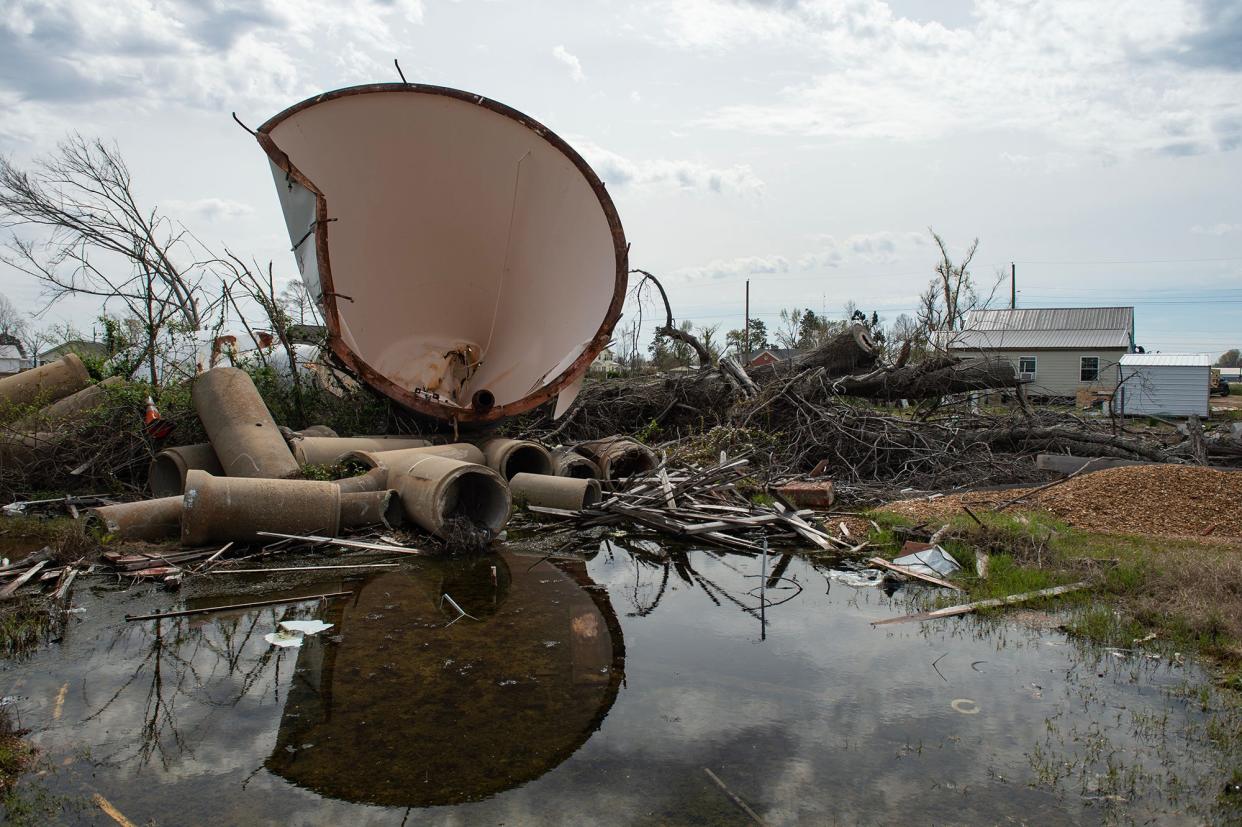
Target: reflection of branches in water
[639, 609]
[173, 666]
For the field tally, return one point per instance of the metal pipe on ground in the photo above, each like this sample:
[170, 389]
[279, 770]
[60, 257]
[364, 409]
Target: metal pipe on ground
[439, 493]
[569, 493]
[166, 475]
[619, 457]
[570, 464]
[239, 426]
[46, 383]
[219, 509]
[517, 456]
[149, 520]
[72, 406]
[364, 508]
[329, 450]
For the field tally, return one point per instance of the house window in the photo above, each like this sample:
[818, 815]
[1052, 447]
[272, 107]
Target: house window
[1089, 370]
[1026, 366]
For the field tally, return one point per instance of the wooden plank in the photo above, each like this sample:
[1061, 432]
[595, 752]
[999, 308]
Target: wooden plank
[885, 564]
[337, 541]
[111, 811]
[992, 603]
[256, 604]
[305, 568]
[8, 590]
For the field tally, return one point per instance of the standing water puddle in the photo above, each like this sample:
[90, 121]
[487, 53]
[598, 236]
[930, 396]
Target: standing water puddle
[600, 692]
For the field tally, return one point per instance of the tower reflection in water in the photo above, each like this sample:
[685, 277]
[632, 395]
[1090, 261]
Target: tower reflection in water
[396, 707]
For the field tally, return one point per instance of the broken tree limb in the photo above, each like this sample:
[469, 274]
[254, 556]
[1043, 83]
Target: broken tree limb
[992, 603]
[742, 805]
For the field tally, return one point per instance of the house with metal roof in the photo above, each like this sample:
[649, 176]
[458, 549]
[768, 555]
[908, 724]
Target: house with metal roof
[1059, 351]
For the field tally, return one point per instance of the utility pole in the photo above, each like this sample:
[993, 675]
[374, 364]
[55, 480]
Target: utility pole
[746, 327]
[1013, 286]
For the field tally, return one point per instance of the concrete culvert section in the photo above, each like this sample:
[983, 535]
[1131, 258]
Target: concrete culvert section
[239, 426]
[149, 520]
[569, 493]
[619, 457]
[517, 456]
[570, 464]
[484, 262]
[218, 509]
[364, 508]
[438, 493]
[166, 475]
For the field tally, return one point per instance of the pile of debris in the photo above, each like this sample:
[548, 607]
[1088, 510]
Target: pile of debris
[707, 506]
[247, 485]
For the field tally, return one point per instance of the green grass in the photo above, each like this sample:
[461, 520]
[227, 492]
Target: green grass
[1184, 592]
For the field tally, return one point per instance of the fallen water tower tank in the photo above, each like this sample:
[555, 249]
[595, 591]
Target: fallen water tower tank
[469, 263]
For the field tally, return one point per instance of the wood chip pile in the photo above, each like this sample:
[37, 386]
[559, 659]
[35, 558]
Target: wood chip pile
[1161, 500]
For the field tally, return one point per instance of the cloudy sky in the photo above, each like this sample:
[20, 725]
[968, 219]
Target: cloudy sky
[805, 144]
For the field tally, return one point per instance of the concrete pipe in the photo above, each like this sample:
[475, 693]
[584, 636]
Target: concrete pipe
[166, 476]
[554, 492]
[517, 456]
[72, 406]
[619, 457]
[437, 491]
[460, 451]
[239, 426]
[374, 480]
[150, 520]
[219, 509]
[317, 431]
[570, 464]
[46, 383]
[25, 449]
[329, 450]
[364, 508]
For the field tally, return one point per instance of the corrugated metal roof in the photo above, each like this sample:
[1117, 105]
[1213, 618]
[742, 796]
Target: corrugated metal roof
[1039, 339]
[1052, 318]
[1033, 328]
[1195, 360]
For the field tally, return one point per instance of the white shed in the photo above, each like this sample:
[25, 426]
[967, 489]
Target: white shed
[1172, 384]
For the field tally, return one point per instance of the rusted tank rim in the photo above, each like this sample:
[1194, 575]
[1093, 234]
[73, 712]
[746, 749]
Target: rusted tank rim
[411, 400]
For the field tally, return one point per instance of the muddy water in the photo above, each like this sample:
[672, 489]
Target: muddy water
[599, 692]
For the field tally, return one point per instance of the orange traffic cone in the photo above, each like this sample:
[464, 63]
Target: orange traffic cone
[156, 427]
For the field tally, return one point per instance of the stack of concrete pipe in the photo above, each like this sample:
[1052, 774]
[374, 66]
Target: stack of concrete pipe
[64, 391]
[246, 478]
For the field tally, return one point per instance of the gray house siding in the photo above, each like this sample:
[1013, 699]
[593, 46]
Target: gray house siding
[1057, 372]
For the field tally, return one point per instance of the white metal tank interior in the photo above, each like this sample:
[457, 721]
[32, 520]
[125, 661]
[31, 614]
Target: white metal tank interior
[466, 248]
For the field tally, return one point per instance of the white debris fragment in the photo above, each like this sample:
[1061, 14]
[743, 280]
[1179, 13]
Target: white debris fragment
[306, 627]
[283, 639]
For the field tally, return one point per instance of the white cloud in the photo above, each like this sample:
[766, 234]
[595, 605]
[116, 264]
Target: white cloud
[210, 209]
[719, 269]
[1121, 76]
[619, 171]
[575, 66]
[201, 54]
[1216, 229]
[828, 253]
